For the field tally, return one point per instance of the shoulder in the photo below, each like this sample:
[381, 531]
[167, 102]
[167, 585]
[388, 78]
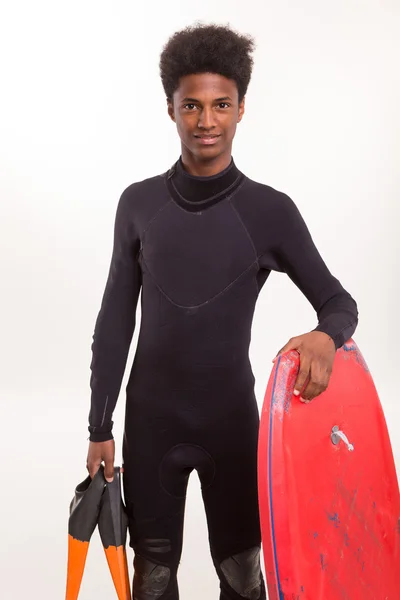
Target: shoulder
[141, 201]
[142, 189]
[262, 199]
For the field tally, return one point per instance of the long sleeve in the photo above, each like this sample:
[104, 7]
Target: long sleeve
[293, 251]
[115, 323]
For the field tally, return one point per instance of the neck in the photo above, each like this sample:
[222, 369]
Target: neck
[203, 167]
[197, 192]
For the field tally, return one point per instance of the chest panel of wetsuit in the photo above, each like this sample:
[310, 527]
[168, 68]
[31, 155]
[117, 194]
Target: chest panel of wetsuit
[194, 256]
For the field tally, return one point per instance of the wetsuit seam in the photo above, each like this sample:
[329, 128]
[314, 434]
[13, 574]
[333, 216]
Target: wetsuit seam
[192, 446]
[255, 262]
[245, 228]
[104, 413]
[191, 205]
[206, 200]
[165, 489]
[154, 217]
[146, 556]
[257, 545]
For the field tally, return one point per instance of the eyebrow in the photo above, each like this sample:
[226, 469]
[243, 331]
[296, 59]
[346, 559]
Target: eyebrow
[216, 99]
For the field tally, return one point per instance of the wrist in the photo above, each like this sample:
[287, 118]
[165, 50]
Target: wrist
[101, 436]
[329, 336]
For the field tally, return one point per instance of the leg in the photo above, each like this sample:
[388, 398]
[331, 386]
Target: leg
[231, 503]
[155, 495]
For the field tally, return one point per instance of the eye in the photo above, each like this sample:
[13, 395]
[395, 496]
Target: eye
[224, 103]
[189, 105]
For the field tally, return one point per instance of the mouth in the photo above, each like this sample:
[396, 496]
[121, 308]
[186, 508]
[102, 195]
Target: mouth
[207, 139]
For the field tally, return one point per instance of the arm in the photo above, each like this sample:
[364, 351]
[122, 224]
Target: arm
[115, 323]
[293, 251]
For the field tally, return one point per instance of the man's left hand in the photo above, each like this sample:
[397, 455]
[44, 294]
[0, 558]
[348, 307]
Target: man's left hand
[317, 353]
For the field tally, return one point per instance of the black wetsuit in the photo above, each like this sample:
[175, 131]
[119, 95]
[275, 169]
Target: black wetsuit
[200, 249]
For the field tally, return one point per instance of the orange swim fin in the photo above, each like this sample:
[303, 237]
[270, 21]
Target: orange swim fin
[84, 514]
[113, 525]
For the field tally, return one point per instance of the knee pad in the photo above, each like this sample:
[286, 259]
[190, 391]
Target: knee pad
[150, 580]
[243, 573]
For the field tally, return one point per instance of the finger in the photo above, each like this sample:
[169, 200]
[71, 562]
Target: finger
[109, 470]
[319, 377]
[93, 467]
[291, 345]
[302, 376]
[109, 464]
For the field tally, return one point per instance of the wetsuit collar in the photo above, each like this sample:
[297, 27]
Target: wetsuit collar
[194, 192]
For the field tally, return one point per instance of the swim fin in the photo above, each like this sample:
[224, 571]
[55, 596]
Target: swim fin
[84, 514]
[113, 525]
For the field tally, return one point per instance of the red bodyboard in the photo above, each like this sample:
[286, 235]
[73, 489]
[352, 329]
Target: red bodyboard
[329, 500]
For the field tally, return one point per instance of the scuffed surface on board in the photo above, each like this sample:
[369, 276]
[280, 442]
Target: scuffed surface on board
[286, 373]
[351, 351]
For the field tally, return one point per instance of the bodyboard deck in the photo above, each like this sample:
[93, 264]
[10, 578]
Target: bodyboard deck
[328, 490]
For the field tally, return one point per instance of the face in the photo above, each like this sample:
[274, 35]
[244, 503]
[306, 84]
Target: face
[206, 111]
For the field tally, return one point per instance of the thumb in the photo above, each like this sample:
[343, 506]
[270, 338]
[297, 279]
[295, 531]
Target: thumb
[109, 469]
[291, 345]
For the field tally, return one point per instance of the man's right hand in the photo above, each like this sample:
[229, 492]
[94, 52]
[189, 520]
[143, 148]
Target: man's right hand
[101, 452]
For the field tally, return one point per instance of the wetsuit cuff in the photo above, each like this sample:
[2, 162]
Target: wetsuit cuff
[101, 436]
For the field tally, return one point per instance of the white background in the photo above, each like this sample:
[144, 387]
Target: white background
[83, 115]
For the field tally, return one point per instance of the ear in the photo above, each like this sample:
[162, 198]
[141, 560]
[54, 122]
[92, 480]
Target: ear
[171, 111]
[241, 110]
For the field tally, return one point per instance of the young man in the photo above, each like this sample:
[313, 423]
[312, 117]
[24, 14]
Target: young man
[201, 241]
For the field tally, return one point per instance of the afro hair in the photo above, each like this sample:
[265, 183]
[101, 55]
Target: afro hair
[207, 49]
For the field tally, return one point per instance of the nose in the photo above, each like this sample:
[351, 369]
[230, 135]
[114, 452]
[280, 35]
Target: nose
[206, 119]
